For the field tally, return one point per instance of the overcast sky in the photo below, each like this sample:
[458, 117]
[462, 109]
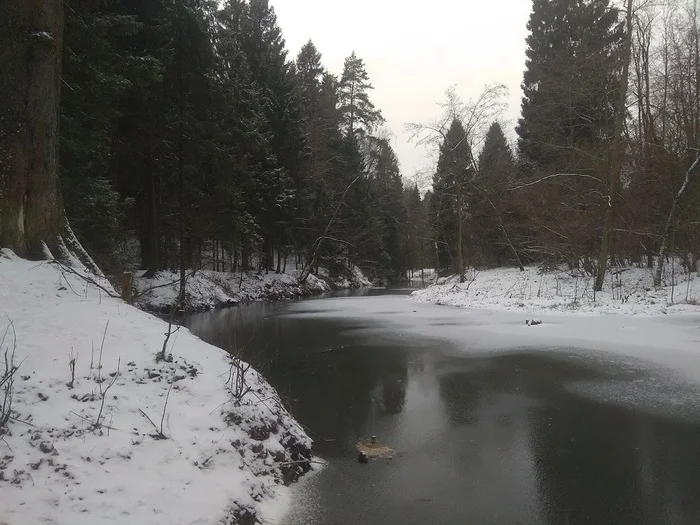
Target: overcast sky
[414, 51]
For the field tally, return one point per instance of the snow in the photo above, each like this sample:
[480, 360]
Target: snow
[220, 458]
[626, 291]
[208, 289]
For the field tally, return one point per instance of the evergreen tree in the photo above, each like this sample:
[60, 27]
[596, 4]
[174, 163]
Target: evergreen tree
[323, 165]
[359, 114]
[242, 146]
[491, 205]
[388, 209]
[97, 71]
[496, 157]
[279, 186]
[570, 82]
[570, 93]
[310, 73]
[455, 169]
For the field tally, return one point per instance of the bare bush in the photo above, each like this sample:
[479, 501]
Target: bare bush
[237, 383]
[103, 395]
[7, 379]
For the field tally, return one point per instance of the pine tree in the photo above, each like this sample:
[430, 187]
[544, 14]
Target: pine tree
[570, 94]
[359, 114]
[322, 166]
[279, 186]
[387, 209]
[455, 168]
[491, 204]
[496, 157]
[310, 72]
[97, 72]
[569, 83]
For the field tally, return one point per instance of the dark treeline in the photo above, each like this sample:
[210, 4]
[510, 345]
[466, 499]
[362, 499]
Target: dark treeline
[184, 124]
[189, 137]
[607, 147]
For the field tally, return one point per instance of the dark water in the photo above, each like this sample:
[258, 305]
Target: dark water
[520, 437]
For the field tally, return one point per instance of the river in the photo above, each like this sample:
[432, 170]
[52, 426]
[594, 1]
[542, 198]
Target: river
[511, 435]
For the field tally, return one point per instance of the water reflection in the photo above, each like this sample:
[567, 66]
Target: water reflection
[490, 439]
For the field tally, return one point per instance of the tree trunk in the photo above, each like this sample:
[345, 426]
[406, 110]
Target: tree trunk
[692, 171]
[181, 160]
[245, 255]
[615, 155]
[31, 209]
[460, 255]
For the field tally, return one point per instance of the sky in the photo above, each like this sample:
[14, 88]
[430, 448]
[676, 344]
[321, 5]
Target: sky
[414, 51]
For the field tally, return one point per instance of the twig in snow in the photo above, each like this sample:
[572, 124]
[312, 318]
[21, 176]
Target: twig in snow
[92, 358]
[165, 406]
[149, 419]
[87, 420]
[159, 434]
[99, 362]
[71, 365]
[67, 269]
[98, 422]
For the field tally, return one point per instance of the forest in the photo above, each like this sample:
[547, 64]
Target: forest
[189, 137]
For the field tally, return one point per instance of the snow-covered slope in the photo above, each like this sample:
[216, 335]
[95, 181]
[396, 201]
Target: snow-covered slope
[628, 291]
[93, 453]
[207, 289]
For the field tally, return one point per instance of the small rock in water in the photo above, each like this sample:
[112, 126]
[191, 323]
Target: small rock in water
[533, 322]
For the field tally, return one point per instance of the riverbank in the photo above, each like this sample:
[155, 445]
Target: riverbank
[101, 431]
[207, 289]
[626, 291]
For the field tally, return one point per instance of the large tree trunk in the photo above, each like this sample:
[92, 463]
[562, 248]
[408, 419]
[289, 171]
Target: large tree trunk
[31, 209]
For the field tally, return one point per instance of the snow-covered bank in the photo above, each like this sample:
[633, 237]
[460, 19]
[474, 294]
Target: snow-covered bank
[208, 289]
[627, 291]
[131, 440]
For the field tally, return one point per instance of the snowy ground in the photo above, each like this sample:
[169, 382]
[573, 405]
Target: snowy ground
[208, 289]
[131, 440]
[629, 291]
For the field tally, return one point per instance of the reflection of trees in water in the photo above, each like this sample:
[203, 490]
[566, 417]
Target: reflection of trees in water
[393, 388]
[477, 381]
[460, 395]
[334, 393]
[334, 387]
[594, 464]
[629, 468]
[599, 463]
